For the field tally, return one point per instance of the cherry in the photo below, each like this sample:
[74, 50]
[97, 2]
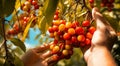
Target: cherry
[71, 31]
[91, 1]
[56, 22]
[79, 30]
[87, 41]
[50, 29]
[56, 17]
[11, 32]
[61, 27]
[67, 46]
[34, 2]
[75, 24]
[28, 4]
[36, 6]
[68, 25]
[66, 36]
[25, 8]
[55, 28]
[55, 49]
[81, 38]
[65, 52]
[74, 39]
[56, 12]
[92, 29]
[86, 23]
[89, 35]
[62, 22]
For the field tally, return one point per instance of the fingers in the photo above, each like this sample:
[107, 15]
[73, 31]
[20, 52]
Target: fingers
[46, 54]
[42, 48]
[101, 23]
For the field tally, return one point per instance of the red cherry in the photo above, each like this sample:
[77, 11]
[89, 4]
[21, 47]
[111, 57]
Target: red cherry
[75, 24]
[71, 31]
[56, 22]
[74, 39]
[56, 17]
[79, 30]
[87, 41]
[86, 23]
[11, 32]
[65, 52]
[61, 27]
[55, 28]
[66, 36]
[34, 2]
[57, 12]
[36, 6]
[55, 49]
[62, 22]
[50, 29]
[89, 35]
[91, 1]
[16, 27]
[92, 29]
[81, 38]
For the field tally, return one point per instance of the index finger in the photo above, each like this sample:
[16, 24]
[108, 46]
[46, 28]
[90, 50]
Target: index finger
[42, 48]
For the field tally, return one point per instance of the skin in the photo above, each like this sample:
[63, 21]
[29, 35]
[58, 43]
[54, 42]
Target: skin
[38, 57]
[96, 55]
[103, 39]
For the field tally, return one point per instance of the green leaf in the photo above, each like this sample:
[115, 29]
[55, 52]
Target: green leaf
[18, 61]
[19, 43]
[47, 13]
[6, 7]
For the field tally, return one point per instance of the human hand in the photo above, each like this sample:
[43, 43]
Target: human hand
[39, 56]
[104, 36]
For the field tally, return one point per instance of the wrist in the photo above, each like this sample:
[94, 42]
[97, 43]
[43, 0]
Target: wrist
[93, 50]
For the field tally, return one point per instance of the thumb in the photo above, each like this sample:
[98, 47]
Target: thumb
[101, 23]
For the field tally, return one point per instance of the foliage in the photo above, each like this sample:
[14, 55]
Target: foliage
[12, 45]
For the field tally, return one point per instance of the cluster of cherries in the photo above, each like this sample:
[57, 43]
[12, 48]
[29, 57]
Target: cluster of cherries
[68, 35]
[29, 9]
[104, 3]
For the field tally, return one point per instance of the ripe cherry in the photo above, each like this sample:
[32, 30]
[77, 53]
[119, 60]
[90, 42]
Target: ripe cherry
[92, 29]
[87, 41]
[79, 30]
[61, 27]
[89, 35]
[56, 17]
[62, 22]
[86, 23]
[34, 2]
[68, 25]
[55, 49]
[55, 28]
[81, 38]
[74, 39]
[66, 36]
[65, 52]
[71, 31]
[50, 29]
[91, 1]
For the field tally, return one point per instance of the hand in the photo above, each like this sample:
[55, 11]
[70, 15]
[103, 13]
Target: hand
[104, 36]
[39, 56]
